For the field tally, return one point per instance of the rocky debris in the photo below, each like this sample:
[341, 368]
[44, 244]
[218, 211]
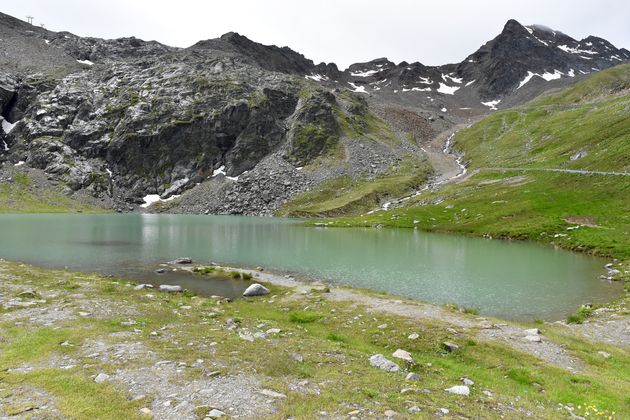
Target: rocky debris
[272, 394]
[170, 288]
[379, 361]
[459, 390]
[403, 355]
[143, 286]
[255, 289]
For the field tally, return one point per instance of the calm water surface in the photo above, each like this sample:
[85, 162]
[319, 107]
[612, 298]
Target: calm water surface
[506, 279]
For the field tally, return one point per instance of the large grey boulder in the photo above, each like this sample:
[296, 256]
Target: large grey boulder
[255, 290]
[170, 288]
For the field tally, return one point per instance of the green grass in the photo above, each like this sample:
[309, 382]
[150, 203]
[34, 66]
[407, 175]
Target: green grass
[580, 315]
[591, 116]
[335, 350]
[20, 197]
[348, 196]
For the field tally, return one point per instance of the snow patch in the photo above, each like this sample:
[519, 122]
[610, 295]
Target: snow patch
[492, 104]
[87, 62]
[109, 172]
[358, 89]
[367, 73]
[470, 83]
[220, 171]
[571, 50]
[571, 73]
[7, 126]
[453, 79]
[551, 76]
[425, 80]
[154, 198]
[447, 90]
[5, 145]
[317, 77]
[443, 109]
[20, 163]
[417, 89]
[47, 41]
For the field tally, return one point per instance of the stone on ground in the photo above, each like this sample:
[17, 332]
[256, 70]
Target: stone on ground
[379, 361]
[459, 390]
[256, 289]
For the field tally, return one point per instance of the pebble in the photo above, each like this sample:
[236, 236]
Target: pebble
[467, 382]
[413, 336]
[412, 376]
[533, 331]
[604, 354]
[533, 338]
[146, 411]
[390, 413]
[272, 394]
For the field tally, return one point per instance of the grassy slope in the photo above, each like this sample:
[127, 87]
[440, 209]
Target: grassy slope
[352, 196]
[335, 349]
[591, 116]
[19, 197]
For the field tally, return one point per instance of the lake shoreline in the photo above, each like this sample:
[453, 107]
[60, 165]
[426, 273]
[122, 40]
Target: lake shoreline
[137, 346]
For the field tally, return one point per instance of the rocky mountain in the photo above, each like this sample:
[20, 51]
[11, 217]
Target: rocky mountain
[240, 127]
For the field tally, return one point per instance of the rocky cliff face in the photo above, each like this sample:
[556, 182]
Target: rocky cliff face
[233, 121]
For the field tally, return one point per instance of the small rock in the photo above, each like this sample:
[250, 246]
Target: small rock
[533, 338]
[404, 355]
[143, 286]
[450, 347]
[28, 294]
[379, 361]
[459, 390]
[297, 357]
[413, 336]
[412, 376]
[273, 330]
[256, 289]
[444, 410]
[533, 331]
[146, 411]
[170, 288]
[604, 354]
[382, 326]
[467, 382]
[272, 394]
[414, 409]
[160, 271]
[215, 414]
[101, 377]
[390, 413]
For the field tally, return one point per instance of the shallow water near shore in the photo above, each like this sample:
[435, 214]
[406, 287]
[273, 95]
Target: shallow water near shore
[512, 280]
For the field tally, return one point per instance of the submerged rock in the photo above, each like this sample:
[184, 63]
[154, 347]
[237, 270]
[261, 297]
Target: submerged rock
[381, 362]
[256, 289]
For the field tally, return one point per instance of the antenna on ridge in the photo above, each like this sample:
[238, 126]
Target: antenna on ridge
[29, 19]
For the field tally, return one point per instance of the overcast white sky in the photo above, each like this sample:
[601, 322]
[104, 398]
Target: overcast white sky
[342, 31]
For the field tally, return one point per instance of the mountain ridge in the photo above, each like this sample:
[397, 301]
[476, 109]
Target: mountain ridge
[234, 121]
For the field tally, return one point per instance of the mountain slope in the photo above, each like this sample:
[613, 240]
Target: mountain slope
[232, 126]
[512, 193]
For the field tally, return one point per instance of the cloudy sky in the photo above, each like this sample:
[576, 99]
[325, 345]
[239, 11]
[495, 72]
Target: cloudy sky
[343, 31]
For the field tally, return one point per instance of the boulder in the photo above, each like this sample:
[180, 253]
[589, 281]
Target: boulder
[181, 260]
[170, 288]
[255, 289]
[404, 355]
[533, 338]
[381, 362]
[101, 377]
[459, 390]
[450, 347]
